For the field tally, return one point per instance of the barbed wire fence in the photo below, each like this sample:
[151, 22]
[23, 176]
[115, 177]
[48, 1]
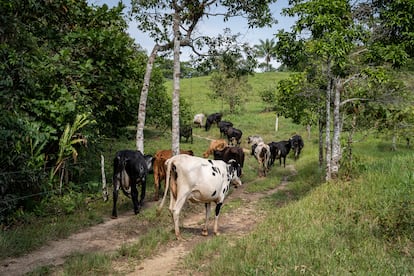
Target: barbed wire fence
[15, 184]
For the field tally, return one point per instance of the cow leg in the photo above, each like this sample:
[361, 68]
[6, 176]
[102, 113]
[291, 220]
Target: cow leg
[134, 197]
[204, 232]
[115, 197]
[218, 207]
[143, 191]
[156, 186]
[175, 209]
[175, 216]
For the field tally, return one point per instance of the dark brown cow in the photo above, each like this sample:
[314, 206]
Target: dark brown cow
[186, 131]
[223, 125]
[159, 167]
[233, 135]
[213, 118]
[231, 153]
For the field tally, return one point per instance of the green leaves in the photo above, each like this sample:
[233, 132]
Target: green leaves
[61, 59]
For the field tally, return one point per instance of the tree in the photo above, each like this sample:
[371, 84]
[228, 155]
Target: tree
[332, 38]
[156, 18]
[267, 50]
[59, 60]
[229, 82]
[391, 25]
[338, 48]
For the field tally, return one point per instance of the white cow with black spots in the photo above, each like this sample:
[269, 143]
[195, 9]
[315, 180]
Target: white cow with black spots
[262, 155]
[200, 181]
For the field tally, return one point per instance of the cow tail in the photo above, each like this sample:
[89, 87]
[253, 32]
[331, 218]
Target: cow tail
[167, 184]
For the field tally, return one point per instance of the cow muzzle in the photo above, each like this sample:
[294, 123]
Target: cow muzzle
[236, 182]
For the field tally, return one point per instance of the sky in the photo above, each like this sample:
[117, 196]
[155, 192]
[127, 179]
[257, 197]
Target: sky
[214, 26]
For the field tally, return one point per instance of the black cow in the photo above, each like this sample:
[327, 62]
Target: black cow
[187, 132]
[233, 135]
[279, 150]
[213, 118]
[231, 153]
[296, 143]
[223, 125]
[130, 170]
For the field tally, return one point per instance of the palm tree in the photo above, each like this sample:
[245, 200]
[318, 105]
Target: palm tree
[267, 50]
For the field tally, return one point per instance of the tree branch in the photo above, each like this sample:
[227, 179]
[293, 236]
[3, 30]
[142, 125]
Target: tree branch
[353, 100]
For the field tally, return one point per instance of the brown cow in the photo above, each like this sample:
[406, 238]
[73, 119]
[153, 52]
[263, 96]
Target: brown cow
[159, 167]
[231, 153]
[215, 145]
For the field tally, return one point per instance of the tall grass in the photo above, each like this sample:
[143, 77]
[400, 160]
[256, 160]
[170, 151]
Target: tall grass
[362, 227]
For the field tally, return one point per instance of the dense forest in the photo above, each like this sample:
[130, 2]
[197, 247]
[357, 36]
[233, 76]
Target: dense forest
[70, 75]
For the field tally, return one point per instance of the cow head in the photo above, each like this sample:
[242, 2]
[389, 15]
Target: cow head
[297, 144]
[207, 125]
[234, 172]
[149, 160]
[254, 146]
[254, 140]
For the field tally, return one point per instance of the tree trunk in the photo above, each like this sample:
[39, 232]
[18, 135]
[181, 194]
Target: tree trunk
[175, 143]
[320, 131]
[143, 100]
[277, 123]
[351, 140]
[320, 125]
[104, 187]
[328, 123]
[394, 139]
[336, 139]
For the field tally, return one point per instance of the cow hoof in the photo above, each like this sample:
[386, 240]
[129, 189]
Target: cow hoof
[216, 233]
[204, 233]
[180, 238]
[114, 217]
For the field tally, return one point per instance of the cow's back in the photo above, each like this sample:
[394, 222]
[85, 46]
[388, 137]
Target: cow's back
[218, 144]
[203, 178]
[159, 162]
[132, 161]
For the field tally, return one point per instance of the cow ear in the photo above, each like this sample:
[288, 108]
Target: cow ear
[233, 163]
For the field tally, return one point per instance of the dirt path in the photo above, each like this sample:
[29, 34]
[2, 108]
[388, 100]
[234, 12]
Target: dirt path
[108, 237]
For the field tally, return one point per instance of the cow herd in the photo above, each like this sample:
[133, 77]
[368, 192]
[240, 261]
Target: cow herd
[266, 154]
[196, 179]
